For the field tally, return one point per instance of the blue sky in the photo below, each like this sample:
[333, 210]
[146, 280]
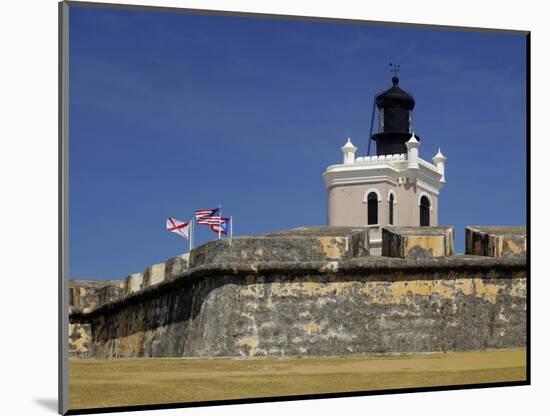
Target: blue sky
[175, 112]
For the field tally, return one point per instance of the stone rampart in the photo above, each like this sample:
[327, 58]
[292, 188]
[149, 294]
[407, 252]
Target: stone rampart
[345, 303]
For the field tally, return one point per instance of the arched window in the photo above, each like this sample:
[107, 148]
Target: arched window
[372, 208]
[390, 216]
[424, 212]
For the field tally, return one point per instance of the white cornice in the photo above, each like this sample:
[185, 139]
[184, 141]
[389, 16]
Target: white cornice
[360, 180]
[427, 187]
[375, 170]
[427, 165]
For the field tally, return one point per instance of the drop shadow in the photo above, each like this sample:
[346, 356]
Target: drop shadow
[49, 404]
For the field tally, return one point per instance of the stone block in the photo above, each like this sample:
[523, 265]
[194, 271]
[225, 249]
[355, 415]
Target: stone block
[297, 244]
[80, 340]
[85, 295]
[176, 266]
[496, 241]
[133, 283]
[417, 242]
[153, 275]
[110, 293]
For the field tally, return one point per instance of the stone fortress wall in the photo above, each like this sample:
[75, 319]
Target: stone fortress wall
[313, 291]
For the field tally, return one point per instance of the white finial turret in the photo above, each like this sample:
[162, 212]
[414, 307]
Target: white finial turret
[439, 162]
[349, 152]
[413, 140]
[412, 152]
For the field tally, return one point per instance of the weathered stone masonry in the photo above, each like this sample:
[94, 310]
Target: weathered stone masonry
[344, 303]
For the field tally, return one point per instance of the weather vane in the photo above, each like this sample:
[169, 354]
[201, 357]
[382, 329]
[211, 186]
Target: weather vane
[394, 69]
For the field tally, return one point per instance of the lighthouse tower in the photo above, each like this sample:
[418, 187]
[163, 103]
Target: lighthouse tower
[394, 187]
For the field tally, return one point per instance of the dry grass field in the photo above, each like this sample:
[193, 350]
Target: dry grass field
[107, 383]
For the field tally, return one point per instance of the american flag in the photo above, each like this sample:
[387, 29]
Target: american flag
[204, 213]
[212, 220]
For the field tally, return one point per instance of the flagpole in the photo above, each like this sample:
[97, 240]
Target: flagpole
[191, 235]
[220, 225]
[230, 230]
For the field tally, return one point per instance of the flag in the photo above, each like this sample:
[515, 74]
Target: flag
[212, 220]
[221, 227]
[178, 227]
[204, 213]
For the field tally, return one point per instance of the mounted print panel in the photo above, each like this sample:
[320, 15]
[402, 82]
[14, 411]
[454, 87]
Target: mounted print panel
[277, 208]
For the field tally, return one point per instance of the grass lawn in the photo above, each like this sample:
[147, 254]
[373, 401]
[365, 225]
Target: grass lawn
[127, 382]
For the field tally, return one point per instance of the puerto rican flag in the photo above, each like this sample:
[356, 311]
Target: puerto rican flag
[221, 227]
[204, 213]
[178, 227]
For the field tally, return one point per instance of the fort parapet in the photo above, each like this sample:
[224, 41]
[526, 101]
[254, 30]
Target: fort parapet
[307, 291]
[417, 241]
[496, 241]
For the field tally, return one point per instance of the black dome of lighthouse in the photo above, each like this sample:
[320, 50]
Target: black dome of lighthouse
[395, 96]
[395, 107]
